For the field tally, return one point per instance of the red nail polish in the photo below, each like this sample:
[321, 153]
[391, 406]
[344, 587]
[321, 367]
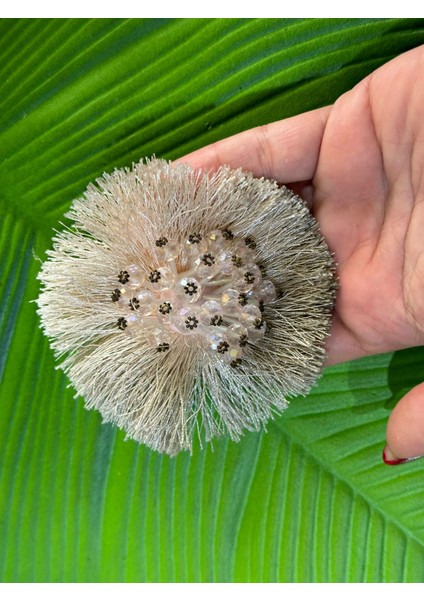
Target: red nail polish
[398, 461]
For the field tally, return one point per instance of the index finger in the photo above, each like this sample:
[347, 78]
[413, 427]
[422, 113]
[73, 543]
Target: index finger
[286, 150]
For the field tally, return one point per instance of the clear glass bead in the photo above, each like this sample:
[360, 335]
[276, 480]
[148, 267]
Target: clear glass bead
[266, 291]
[135, 284]
[249, 315]
[225, 262]
[234, 353]
[208, 310]
[157, 336]
[123, 300]
[133, 324]
[255, 333]
[190, 289]
[196, 244]
[166, 281]
[230, 300]
[215, 240]
[185, 320]
[235, 333]
[164, 312]
[147, 302]
[252, 272]
[241, 283]
[135, 271]
[205, 270]
[170, 251]
[215, 338]
[247, 254]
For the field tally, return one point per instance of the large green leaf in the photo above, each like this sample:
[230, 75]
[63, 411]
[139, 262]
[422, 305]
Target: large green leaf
[310, 499]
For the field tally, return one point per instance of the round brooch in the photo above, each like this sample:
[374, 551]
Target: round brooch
[182, 302]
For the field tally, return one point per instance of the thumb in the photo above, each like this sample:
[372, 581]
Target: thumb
[405, 429]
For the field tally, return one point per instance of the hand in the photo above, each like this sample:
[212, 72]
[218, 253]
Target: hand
[360, 166]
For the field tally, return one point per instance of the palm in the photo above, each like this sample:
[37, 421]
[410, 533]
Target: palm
[360, 165]
[368, 188]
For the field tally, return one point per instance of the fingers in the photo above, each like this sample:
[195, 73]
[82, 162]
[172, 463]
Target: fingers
[286, 150]
[405, 429]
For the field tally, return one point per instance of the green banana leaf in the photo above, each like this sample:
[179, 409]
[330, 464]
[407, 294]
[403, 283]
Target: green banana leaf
[307, 500]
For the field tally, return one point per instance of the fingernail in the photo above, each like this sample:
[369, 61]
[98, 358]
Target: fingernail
[390, 459]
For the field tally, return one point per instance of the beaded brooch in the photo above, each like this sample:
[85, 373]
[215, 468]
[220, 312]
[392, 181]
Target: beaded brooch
[183, 301]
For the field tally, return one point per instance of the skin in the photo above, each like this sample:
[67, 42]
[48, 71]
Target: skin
[360, 166]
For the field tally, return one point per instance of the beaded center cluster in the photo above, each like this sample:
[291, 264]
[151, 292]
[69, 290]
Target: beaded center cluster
[210, 287]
